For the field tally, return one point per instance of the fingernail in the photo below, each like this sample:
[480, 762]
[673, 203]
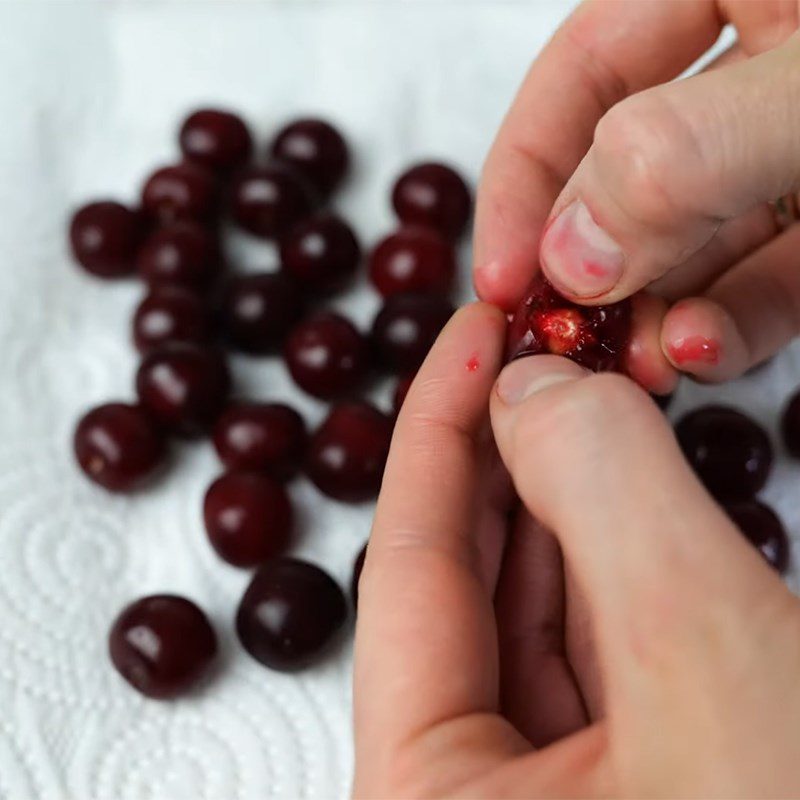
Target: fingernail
[578, 256]
[528, 376]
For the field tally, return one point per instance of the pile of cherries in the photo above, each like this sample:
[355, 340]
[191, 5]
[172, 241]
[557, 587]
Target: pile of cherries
[197, 308]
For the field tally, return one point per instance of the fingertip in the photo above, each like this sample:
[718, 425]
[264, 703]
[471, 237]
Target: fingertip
[645, 361]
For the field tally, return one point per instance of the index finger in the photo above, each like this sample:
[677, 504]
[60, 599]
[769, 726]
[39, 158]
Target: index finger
[425, 642]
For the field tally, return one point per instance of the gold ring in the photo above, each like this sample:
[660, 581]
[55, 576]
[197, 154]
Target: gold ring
[786, 210]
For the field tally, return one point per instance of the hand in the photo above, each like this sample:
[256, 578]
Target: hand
[671, 672]
[626, 180]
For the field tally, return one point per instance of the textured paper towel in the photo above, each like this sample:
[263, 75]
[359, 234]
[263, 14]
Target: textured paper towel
[89, 98]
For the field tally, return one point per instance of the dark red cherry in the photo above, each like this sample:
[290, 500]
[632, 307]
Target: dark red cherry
[790, 427]
[730, 453]
[215, 139]
[269, 200]
[105, 236]
[316, 150]
[663, 401]
[162, 645]
[118, 446]
[257, 311]
[347, 454]
[182, 254]
[321, 253]
[184, 387]
[414, 259]
[180, 192]
[406, 327]
[401, 390]
[248, 518]
[358, 566]
[170, 314]
[762, 526]
[433, 195]
[545, 322]
[326, 355]
[265, 437]
[290, 614]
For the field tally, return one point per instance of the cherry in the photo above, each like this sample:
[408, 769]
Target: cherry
[180, 192]
[433, 195]
[545, 322]
[762, 526]
[215, 139]
[105, 236]
[264, 437]
[290, 614]
[401, 390]
[321, 253]
[326, 355]
[730, 453]
[118, 446]
[184, 387]
[406, 327]
[181, 254]
[162, 645]
[170, 314]
[269, 200]
[414, 259]
[347, 454]
[315, 149]
[248, 518]
[257, 311]
[790, 427]
[663, 401]
[358, 566]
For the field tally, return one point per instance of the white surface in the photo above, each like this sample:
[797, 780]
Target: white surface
[90, 95]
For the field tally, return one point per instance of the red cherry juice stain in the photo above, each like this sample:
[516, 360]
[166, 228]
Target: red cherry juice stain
[473, 363]
[696, 348]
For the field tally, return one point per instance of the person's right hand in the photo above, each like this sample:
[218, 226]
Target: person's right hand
[614, 178]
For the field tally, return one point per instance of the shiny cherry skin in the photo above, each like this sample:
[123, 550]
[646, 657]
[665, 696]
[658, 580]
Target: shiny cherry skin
[182, 254]
[162, 645]
[290, 614]
[248, 518]
[104, 238]
[215, 139]
[264, 437]
[170, 314]
[596, 337]
[118, 446]
[433, 195]
[401, 390]
[790, 426]
[184, 387]
[763, 527]
[406, 327]
[347, 453]
[321, 253]
[316, 150]
[258, 310]
[413, 259]
[269, 200]
[326, 355]
[180, 192]
[358, 566]
[730, 453]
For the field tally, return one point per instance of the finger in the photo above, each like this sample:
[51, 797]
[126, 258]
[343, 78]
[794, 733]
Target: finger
[667, 167]
[602, 53]
[539, 695]
[595, 460]
[645, 361]
[425, 639]
[744, 318]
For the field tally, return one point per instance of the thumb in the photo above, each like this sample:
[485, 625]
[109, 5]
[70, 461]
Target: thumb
[667, 167]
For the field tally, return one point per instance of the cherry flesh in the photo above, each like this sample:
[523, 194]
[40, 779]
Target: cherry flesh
[162, 645]
[263, 437]
[326, 355]
[118, 446]
[433, 195]
[182, 254]
[180, 192]
[170, 314]
[215, 139]
[764, 529]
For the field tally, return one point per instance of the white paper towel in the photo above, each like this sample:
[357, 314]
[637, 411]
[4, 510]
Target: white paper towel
[90, 95]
